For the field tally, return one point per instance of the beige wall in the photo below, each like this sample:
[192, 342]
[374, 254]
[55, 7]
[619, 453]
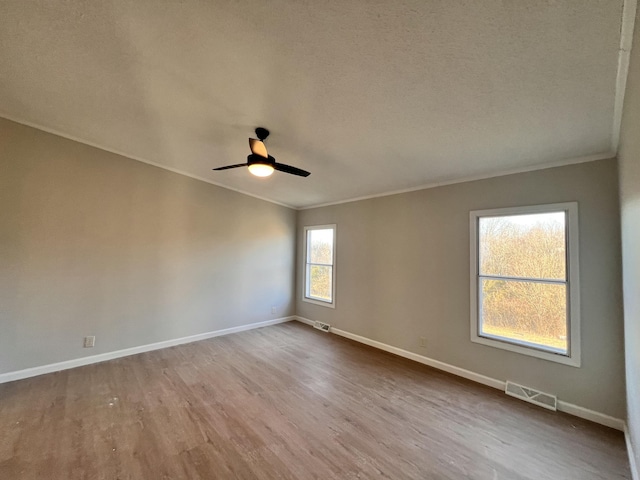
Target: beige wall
[629, 160]
[92, 243]
[403, 272]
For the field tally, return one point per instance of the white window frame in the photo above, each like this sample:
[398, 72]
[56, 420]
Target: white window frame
[572, 358]
[305, 286]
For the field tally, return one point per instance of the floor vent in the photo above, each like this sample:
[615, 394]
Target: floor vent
[530, 395]
[322, 326]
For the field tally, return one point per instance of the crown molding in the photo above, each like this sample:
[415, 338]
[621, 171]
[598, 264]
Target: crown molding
[73, 138]
[498, 173]
[624, 53]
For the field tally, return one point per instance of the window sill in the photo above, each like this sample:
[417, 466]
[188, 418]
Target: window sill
[530, 351]
[319, 302]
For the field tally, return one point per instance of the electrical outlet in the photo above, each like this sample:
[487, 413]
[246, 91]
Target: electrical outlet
[273, 310]
[89, 341]
[423, 342]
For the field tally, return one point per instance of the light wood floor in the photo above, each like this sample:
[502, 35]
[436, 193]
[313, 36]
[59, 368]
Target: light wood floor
[287, 402]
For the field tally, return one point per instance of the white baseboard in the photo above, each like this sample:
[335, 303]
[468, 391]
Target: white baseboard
[591, 415]
[305, 321]
[79, 362]
[635, 474]
[569, 408]
[460, 372]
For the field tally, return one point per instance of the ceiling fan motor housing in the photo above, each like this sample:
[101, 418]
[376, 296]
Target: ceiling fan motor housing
[253, 158]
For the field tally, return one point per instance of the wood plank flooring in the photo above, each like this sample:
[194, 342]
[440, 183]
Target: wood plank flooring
[287, 402]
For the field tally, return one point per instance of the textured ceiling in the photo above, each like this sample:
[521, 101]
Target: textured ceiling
[370, 96]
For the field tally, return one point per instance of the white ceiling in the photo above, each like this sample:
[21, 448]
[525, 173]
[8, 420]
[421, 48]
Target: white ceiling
[370, 96]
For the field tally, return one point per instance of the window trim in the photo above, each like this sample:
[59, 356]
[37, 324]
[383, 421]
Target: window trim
[573, 358]
[315, 301]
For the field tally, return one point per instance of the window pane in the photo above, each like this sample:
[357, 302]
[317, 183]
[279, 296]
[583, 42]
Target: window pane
[320, 278]
[320, 246]
[529, 246]
[525, 311]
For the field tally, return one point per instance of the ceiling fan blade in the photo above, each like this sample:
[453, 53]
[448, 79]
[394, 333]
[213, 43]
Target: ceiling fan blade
[258, 148]
[232, 166]
[281, 167]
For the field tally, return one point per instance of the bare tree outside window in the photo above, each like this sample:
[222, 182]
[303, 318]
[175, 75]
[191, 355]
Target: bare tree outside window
[319, 264]
[522, 279]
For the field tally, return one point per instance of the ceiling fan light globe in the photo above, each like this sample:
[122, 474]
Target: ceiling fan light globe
[260, 169]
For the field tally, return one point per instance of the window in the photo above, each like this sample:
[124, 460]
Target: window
[319, 277]
[524, 281]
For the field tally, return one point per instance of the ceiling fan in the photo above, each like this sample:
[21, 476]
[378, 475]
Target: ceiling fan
[260, 163]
